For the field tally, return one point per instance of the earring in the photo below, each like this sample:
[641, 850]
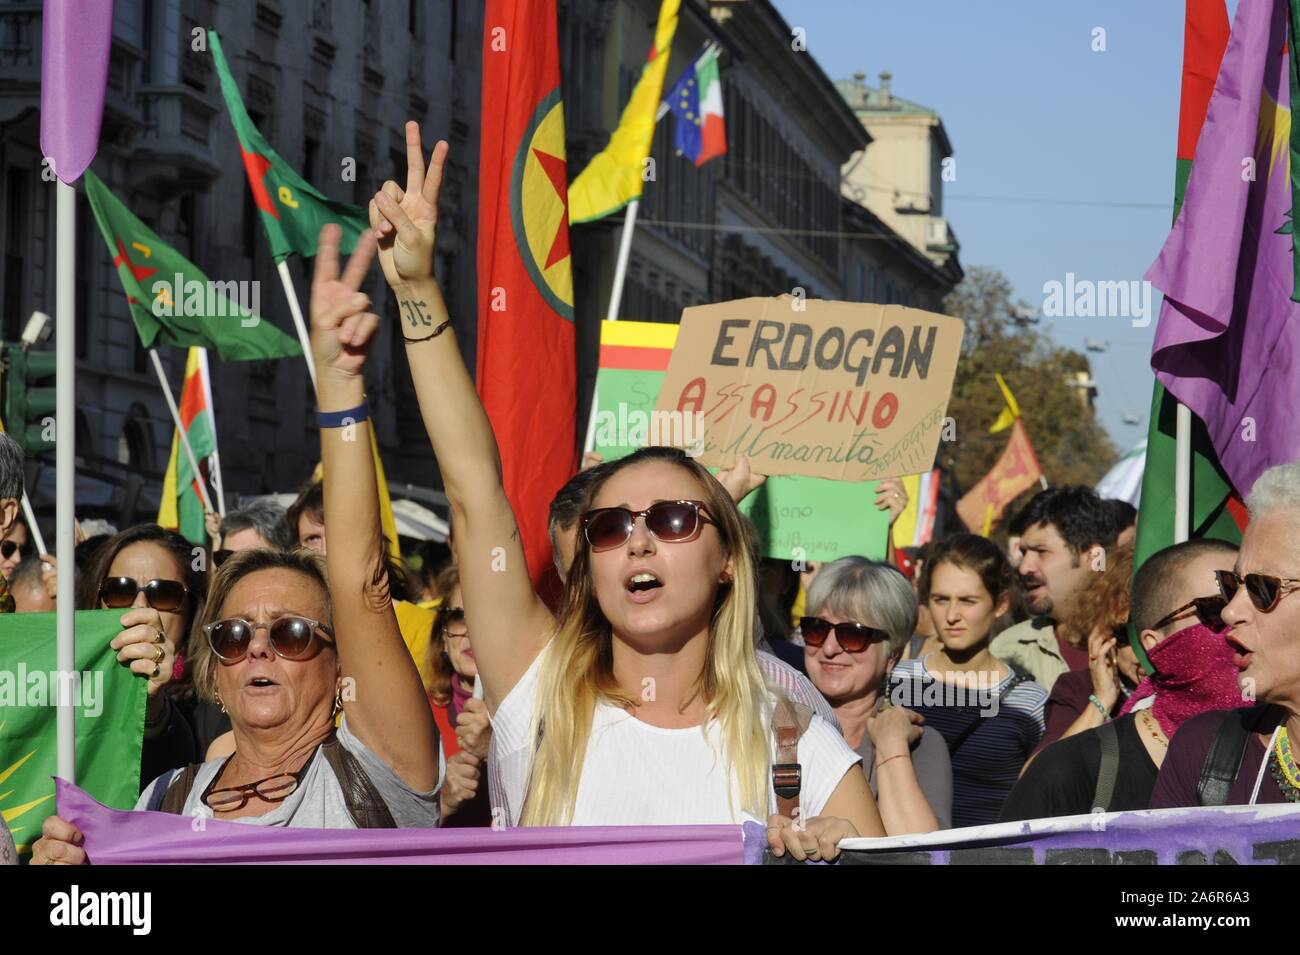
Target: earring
[220, 705]
[338, 698]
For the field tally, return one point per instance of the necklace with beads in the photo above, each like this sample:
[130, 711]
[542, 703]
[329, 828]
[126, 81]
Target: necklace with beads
[1284, 767]
[1154, 729]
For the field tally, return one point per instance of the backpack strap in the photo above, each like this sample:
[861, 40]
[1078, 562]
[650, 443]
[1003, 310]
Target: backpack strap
[1223, 759]
[955, 744]
[1108, 769]
[789, 722]
[170, 797]
[366, 807]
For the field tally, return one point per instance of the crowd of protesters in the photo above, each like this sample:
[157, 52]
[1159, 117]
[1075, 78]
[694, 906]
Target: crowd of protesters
[679, 679]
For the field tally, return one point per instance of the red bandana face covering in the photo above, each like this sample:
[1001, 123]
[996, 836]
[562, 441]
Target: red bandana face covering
[1194, 674]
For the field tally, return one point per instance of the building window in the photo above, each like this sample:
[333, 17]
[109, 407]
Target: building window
[17, 234]
[134, 447]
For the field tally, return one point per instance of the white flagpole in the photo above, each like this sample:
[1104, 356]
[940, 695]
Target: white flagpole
[620, 269]
[65, 461]
[180, 429]
[214, 458]
[30, 517]
[296, 311]
[1182, 474]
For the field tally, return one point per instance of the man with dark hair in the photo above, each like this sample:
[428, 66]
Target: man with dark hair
[30, 592]
[1174, 608]
[1064, 534]
[1124, 516]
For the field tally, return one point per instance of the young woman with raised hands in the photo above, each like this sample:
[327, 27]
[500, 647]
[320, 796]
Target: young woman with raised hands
[643, 703]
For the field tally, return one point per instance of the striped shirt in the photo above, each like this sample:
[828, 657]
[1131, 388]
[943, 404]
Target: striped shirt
[1003, 731]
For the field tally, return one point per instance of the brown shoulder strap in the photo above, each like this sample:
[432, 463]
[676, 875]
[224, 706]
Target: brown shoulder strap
[366, 807]
[173, 798]
[788, 724]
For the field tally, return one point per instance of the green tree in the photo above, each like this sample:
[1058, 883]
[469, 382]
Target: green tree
[1002, 336]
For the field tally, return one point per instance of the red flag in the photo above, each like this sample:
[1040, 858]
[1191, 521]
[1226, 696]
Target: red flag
[1015, 472]
[526, 365]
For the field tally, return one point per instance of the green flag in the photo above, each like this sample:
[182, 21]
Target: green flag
[292, 211]
[109, 705]
[172, 301]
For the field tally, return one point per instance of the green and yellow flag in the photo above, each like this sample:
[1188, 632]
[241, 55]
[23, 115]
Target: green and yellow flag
[109, 704]
[292, 210]
[615, 175]
[172, 301]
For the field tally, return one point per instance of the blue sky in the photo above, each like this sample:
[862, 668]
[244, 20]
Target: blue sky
[1034, 113]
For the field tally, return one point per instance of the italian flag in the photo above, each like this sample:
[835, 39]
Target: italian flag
[713, 127]
[181, 507]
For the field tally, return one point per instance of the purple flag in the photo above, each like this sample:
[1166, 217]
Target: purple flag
[75, 40]
[117, 837]
[1226, 343]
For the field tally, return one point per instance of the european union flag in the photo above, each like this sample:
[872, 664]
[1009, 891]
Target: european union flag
[684, 101]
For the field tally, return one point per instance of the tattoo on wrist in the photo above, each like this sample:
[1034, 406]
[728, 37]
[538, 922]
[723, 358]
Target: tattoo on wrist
[415, 312]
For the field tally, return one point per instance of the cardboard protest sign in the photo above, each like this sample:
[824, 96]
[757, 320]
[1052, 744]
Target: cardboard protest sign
[838, 390]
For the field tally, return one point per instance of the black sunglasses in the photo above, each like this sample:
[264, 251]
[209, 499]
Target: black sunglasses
[291, 637]
[671, 522]
[1209, 611]
[7, 549]
[165, 595]
[454, 615]
[852, 637]
[1264, 590]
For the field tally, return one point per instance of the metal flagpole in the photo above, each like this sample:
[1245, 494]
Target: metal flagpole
[180, 429]
[1182, 474]
[30, 517]
[214, 458]
[296, 311]
[620, 269]
[65, 461]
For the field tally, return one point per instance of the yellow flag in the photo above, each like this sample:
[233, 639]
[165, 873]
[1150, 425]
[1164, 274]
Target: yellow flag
[168, 516]
[905, 527]
[1010, 413]
[614, 177]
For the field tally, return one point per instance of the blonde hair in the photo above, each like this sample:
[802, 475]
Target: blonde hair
[578, 670]
[203, 662]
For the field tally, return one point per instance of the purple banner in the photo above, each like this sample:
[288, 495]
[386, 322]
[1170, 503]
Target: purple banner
[1231, 835]
[117, 837]
[75, 40]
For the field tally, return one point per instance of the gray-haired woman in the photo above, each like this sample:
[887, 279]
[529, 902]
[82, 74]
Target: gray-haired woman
[860, 616]
[286, 641]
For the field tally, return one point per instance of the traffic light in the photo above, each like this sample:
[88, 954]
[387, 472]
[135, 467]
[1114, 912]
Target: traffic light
[27, 397]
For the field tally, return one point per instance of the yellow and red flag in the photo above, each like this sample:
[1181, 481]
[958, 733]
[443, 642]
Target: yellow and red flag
[181, 506]
[1015, 472]
[526, 358]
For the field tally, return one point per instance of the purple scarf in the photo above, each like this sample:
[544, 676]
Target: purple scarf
[459, 697]
[1194, 674]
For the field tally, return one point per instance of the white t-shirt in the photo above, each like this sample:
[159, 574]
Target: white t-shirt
[635, 774]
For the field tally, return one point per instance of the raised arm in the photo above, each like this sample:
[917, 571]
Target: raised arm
[508, 623]
[385, 705]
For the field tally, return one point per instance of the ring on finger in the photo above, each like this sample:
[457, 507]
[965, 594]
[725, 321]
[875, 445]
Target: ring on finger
[161, 637]
[156, 671]
[158, 654]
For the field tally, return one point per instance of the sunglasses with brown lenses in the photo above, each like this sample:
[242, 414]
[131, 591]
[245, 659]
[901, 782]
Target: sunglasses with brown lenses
[670, 522]
[1209, 611]
[161, 594]
[1264, 590]
[852, 637]
[291, 637]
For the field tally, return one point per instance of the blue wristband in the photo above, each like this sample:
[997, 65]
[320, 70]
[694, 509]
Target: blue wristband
[341, 419]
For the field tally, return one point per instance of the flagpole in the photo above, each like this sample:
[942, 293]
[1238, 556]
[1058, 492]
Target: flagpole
[180, 429]
[30, 517]
[1182, 473]
[65, 464]
[295, 310]
[624, 254]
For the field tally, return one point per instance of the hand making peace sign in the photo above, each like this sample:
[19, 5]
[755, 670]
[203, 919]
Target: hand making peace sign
[406, 220]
